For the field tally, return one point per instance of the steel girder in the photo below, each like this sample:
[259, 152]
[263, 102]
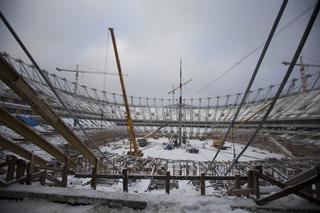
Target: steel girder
[17, 83]
[11, 146]
[22, 129]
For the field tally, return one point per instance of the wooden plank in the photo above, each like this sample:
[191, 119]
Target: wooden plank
[49, 168]
[37, 175]
[281, 147]
[301, 176]
[20, 180]
[289, 189]
[282, 185]
[53, 179]
[3, 164]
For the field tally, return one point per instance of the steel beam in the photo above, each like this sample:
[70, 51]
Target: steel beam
[12, 147]
[283, 82]
[16, 82]
[257, 67]
[22, 129]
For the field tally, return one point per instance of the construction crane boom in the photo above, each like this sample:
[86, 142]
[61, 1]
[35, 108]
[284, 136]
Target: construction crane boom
[219, 143]
[132, 134]
[174, 89]
[302, 65]
[77, 71]
[155, 131]
[87, 71]
[299, 64]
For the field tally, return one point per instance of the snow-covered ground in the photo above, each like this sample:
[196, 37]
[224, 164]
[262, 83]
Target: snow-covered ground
[179, 200]
[206, 151]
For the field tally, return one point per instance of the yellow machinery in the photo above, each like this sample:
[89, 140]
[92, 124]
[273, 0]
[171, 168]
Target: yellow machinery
[134, 148]
[217, 143]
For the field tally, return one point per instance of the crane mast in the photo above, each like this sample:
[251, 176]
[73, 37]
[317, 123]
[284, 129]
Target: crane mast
[302, 66]
[134, 149]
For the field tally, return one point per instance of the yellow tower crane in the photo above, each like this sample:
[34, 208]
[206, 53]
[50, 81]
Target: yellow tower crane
[77, 71]
[302, 71]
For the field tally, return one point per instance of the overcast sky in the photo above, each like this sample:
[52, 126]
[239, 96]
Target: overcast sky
[209, 35]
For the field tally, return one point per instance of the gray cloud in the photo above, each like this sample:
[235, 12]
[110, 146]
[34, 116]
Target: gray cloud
[210, 36]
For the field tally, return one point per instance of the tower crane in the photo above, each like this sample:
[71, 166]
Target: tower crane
[302, 71]
[132, 134]
[77, 71]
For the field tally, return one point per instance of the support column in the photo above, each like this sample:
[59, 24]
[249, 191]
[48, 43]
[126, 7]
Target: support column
[94, 175]
[125, 180]
[318, 190]
[256, 182]
[30, 170]
[12, 160]
[168, 182]
[202, 184]
[251, 180]
[65, 171]
[237, 182]
[20, 169]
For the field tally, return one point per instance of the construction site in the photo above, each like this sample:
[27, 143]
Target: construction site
[69, 147]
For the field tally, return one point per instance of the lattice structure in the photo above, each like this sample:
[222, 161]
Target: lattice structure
[100, 109]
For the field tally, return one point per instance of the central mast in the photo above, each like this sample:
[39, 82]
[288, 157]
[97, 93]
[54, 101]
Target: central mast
[180, 107]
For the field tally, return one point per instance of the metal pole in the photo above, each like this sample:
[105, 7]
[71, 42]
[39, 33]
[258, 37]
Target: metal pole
[274, 27]
[77, 79]
[284, 81]
[180, 105]
[303, 76]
